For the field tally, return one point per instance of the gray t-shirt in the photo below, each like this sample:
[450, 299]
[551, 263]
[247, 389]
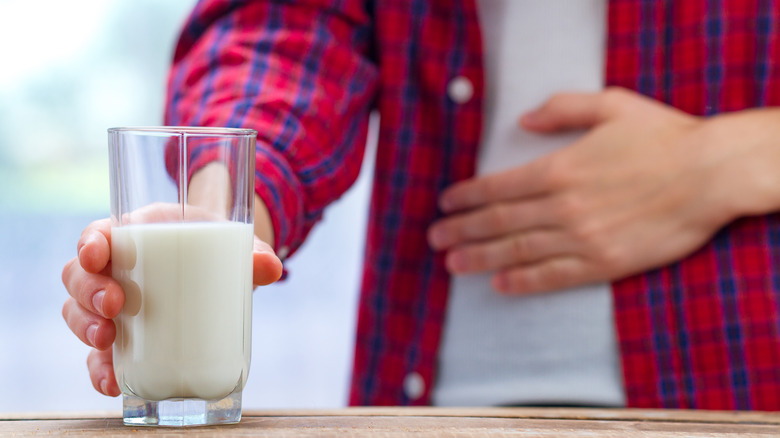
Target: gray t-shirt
[550, 348]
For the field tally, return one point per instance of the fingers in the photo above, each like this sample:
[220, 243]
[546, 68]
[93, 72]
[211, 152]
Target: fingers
[531, 180]
[492, 221]
[511, 250]
[547, 275]
[94, 249]
[101, 372]
[92, 329]
[267, 268]
[97, 293]
[87, 277]
[94, 298]
[566, 111]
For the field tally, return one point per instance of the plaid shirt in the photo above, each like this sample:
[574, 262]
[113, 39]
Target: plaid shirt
[700, 333]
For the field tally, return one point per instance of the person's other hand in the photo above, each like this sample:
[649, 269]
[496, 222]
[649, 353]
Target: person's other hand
[637, 191]
[96, 298]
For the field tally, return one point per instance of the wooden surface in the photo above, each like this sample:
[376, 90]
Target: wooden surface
[434, 422]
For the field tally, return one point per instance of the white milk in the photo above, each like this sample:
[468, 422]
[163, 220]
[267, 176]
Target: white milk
[185, 329]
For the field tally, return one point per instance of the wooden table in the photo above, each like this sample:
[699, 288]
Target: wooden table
[434, 422]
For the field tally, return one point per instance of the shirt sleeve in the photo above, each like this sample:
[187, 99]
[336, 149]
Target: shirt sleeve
[297, 72]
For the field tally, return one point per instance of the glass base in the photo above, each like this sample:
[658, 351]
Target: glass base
[181, 412]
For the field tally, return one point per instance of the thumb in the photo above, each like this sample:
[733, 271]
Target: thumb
[566, 111]
[267, 268]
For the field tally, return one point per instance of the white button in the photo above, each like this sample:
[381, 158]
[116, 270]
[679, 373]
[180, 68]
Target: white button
[460, 89]
[282, 252]
[414, 386]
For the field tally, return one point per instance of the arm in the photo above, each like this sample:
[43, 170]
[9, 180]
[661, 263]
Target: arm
[295, 72]
[298, 73]
[210, 188]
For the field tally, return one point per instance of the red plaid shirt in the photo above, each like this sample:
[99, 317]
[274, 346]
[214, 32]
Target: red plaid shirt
[700, 333]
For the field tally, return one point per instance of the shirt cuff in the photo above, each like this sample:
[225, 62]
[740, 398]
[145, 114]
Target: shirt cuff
[280, 190]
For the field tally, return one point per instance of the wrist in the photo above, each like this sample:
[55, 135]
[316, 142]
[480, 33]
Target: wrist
[744, 160]
[263, 224]
[210, 189]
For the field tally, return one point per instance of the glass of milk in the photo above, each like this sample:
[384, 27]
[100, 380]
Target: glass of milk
[181, 247]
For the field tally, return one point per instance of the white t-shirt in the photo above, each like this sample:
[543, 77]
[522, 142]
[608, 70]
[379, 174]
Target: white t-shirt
[550, 348]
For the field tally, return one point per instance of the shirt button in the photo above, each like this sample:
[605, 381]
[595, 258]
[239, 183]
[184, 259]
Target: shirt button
[460, 89]
[414, 386]
[282, 252]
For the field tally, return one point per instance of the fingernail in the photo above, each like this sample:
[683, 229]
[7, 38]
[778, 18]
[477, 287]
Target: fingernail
[97, 301]
[104, 386]
[91, 333]
[84, 243]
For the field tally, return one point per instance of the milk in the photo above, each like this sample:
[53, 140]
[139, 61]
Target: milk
[185, 329]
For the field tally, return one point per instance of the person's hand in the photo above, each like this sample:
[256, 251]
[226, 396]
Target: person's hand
[96, 298]
[645, 186]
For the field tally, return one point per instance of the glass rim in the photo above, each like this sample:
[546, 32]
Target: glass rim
[184, 130]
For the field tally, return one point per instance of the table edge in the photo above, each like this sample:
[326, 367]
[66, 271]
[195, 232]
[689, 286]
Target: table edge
[591, 414]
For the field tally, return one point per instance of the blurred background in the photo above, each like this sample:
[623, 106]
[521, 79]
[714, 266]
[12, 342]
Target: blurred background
[70, 70]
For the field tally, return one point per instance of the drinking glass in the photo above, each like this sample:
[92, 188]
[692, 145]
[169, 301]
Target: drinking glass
[181, 248]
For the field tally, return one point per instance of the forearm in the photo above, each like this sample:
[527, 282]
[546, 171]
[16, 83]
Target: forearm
[263, 226]
[210, 188]
[742, 161]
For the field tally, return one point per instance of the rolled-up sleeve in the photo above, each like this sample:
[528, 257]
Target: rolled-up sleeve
[298, 72]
